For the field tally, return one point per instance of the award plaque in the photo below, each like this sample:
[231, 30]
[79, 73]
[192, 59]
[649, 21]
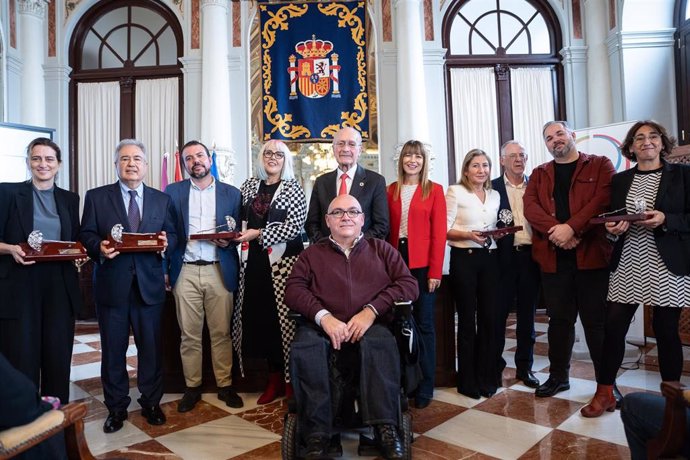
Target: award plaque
[214, 234]
[505, 216]
[134, 242]
[617, 216]
[40, 250]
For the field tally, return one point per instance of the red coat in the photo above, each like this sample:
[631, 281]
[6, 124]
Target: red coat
[426, 228]
[590, 193]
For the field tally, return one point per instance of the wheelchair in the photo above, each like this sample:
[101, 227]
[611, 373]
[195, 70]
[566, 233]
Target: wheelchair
[344, 370]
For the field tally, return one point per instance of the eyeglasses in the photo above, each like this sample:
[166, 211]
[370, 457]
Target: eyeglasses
[339, 213]
[514, 156]
[351, 144]
[641, 138]
[136, 159]
[277, 155]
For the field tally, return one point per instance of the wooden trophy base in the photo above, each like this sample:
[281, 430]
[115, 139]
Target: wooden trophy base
[52, 251]
[499, 232]
[215, 236]
[627, 217]
[138, 242]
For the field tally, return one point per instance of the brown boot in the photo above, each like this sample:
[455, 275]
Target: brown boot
[274, 389]
[603, 400]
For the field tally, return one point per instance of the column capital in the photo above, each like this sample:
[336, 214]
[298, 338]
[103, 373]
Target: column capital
[572, 54]
[222, 3]
[35, 8]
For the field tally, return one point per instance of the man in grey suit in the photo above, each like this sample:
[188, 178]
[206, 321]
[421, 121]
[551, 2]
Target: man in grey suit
[203, 273]
[367, 186]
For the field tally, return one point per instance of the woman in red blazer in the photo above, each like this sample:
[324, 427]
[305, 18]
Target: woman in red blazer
[418, 230]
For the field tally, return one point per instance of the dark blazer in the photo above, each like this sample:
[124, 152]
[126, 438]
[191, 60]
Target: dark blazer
[673, 199]
[368, 187]
[17, 221]
[103, 208]
[228, 203]
[505, 244]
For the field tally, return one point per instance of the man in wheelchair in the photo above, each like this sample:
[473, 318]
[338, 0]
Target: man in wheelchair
[345, 286]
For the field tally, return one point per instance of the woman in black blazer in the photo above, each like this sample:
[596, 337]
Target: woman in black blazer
[38, 301]
[651, 257]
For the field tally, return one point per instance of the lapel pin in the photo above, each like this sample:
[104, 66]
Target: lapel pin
[361, 184]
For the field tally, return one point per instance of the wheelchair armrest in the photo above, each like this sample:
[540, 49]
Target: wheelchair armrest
[298, 318]
[402, 309]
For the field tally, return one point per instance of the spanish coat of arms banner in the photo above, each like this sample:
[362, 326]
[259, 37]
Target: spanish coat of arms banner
[313, 69]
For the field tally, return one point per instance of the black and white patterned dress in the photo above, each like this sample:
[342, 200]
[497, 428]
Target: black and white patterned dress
[641, 276]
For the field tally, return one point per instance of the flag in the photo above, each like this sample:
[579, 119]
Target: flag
[214, 168]
[178, 170]
[164, 171]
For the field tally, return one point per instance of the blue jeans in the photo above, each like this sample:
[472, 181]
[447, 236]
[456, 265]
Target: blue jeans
[643, 416]
[424, 316]
[379, 378]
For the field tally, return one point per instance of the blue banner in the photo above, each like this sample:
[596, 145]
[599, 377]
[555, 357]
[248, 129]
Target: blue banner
[313, 69]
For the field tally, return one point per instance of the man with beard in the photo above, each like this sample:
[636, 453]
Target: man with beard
[204, 273]
[561, 198]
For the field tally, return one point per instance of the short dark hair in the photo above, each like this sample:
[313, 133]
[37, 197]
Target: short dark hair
[48, 143]
[191, 143]
[668, 142]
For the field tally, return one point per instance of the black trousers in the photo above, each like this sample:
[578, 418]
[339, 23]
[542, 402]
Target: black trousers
[669, 347]
[474, 278]
[519, 286]
[38, 341]
[567, 294]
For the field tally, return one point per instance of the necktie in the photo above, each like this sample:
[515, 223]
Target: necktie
[133, 212]
[343, 185]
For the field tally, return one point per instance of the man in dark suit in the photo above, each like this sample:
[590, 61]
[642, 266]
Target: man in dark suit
[204, 273]
[129, 286]
[367, 186]
[519, 273]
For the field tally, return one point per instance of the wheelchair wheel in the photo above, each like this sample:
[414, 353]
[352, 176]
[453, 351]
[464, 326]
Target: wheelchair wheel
[288, 444]
[406, 429]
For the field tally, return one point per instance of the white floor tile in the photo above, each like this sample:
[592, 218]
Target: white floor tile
[646, 380]
[451, 396]
[100, 442]
[580, 390]
[86, 338]
[541, 327]
[81, 348]
[488, 434]
[218, 440]
[76, 393]
[131, 350]
[608, 427]
[510, 343]
[249, 400]
[85, 371]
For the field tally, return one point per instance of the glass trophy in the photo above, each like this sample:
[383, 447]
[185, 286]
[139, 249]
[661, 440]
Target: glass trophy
[39, 250]
[218, 233]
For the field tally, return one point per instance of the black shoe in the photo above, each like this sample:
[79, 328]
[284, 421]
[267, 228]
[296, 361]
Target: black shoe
[551, 387]
[114, 421]
[474, 394]
[617, 394]
[152, 412]
[421, 403]
[231, 398]
[317, 448]
[528, 379]
[189, 399]
[389, 441]
[487, 393]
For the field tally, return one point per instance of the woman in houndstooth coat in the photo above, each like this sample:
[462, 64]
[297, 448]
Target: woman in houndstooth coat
[274, 209]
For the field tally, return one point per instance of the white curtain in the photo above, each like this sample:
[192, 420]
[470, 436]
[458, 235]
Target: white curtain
[98, 114]
[533, 105]
[475, 118]
[156, 124]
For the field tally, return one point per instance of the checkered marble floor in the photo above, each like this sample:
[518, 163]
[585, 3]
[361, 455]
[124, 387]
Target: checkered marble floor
[512, 424]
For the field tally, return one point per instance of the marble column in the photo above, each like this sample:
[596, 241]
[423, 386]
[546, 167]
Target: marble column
[32, 48]
[575, 67]
[600, 110]
[412, 104]
[215, 84]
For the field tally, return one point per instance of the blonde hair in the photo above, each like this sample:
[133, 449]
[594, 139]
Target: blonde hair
[464, 181]
[413, 146]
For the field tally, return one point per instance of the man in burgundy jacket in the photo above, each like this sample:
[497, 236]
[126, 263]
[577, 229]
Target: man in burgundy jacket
[346, 285]
[573, 255]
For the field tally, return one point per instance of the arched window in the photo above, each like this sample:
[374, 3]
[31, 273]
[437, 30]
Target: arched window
[504, 76]
[126, 83]
[682, 23]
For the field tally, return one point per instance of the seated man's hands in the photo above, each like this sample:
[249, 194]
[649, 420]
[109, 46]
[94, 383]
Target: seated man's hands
[360, 324]
[336, 330]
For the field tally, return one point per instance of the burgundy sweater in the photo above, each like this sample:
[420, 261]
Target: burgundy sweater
[323, 277]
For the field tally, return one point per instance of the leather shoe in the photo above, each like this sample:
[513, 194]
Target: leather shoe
[474, 394]
[189, 399]
[317, 448]
[421, 403]
[114, 421]
[551, 387]
[528, 379]
[231, 398]
[152, 412]
[389, 441]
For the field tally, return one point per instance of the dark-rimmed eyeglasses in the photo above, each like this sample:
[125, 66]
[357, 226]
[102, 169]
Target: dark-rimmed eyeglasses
[339, 213]
[278, 155]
